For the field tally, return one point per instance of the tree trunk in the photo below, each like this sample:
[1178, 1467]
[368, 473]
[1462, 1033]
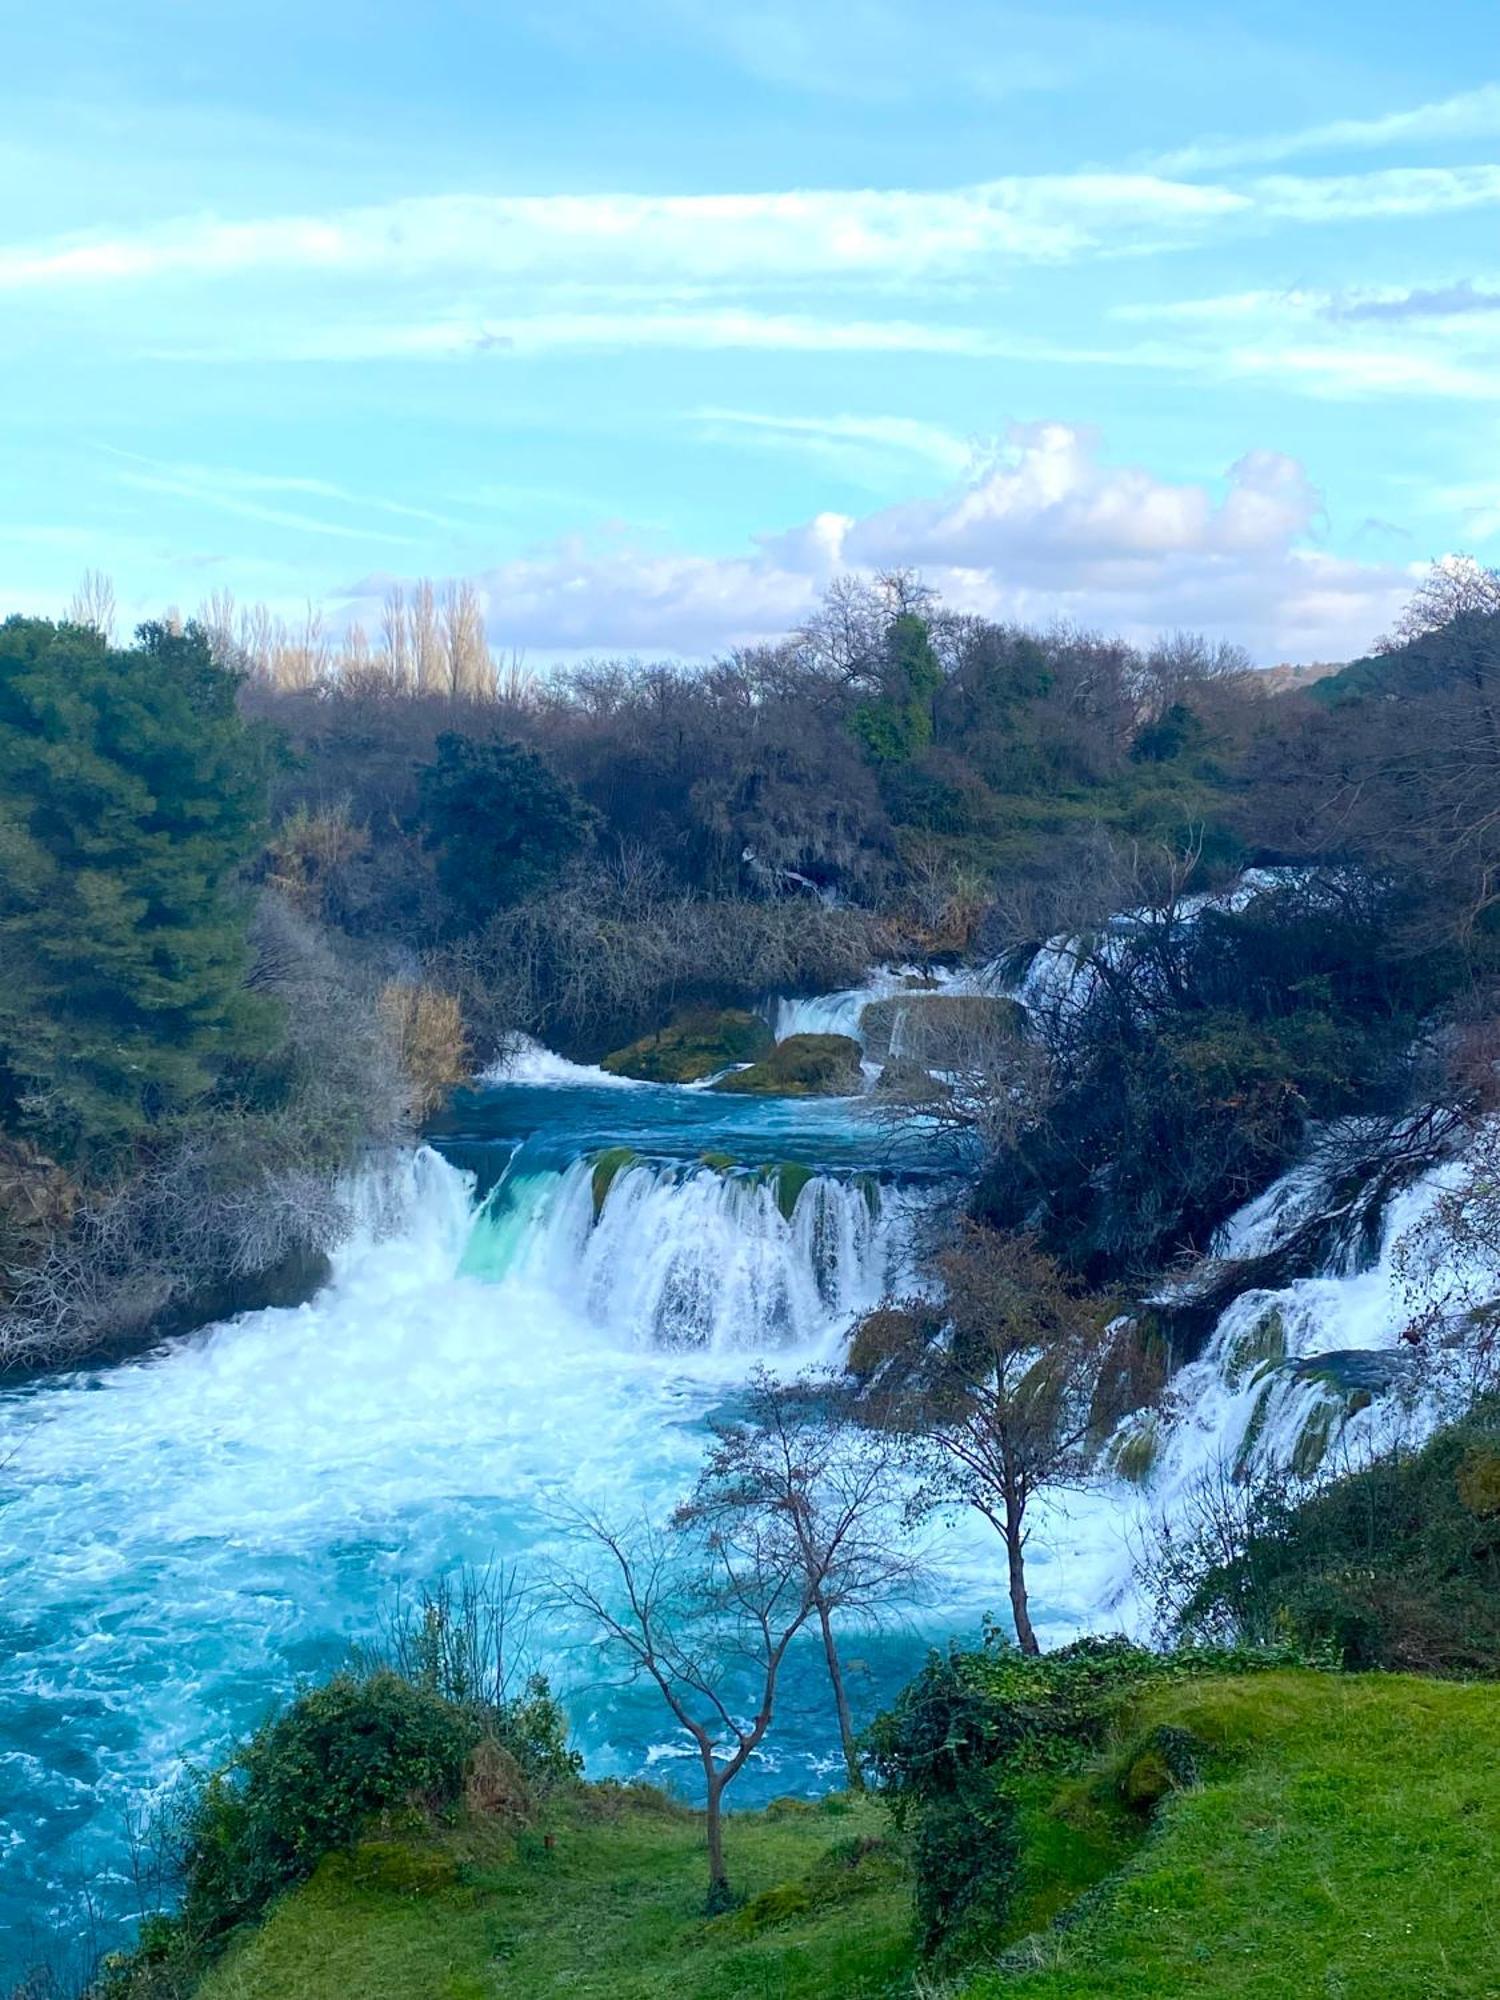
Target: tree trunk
[718, 1882]
[840, 1700]
[1026, 1638]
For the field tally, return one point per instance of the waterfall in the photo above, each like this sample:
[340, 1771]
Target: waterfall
[185, 1537]
[667, 1257]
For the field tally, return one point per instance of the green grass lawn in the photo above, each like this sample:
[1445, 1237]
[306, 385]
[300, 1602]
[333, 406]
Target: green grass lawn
[614, 1907]
[1344, 1844]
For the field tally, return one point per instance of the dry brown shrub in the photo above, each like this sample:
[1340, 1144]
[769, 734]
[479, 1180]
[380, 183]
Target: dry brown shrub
[307, 851]
[495, 1786]
[426, 1028]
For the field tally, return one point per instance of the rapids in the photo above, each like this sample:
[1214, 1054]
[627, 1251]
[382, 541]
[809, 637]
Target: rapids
[185, 1537]
[514, 1331]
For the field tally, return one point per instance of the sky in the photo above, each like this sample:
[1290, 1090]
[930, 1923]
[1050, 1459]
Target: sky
[651, 318]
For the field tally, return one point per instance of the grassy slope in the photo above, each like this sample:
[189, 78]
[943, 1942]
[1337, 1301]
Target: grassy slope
[1345, 1844]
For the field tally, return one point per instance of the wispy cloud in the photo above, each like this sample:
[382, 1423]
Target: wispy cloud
[818, 233]
[904, 437]
[887, 238]
[226, 490]
[551, 333]
[1455, 301]
[1472, 114]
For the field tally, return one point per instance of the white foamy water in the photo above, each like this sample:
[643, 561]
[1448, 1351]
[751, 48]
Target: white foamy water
[183, 1537]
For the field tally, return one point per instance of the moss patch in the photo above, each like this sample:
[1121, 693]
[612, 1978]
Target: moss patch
[692, 1046]
[787, 1180]
[1263, 1341]
[606, 1167]
[1136, 1453]
[801, 1066]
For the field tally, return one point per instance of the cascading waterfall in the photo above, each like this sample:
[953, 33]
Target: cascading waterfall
[183, 1537]
[538, 1318]
[670, 1258]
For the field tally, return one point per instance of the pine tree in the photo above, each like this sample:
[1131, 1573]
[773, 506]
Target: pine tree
[131, 794]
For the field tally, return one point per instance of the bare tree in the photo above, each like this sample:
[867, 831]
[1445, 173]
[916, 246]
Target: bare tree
[395, 640]
[995, 1386]
[706, 1616]
[1456, 586]
[470, 670]
[93, 604]
[425, 640]
[796, 1466]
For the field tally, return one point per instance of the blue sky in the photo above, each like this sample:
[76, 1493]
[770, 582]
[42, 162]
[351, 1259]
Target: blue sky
[650, 318]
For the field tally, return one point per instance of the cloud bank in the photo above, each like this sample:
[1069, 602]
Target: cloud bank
[1044, 530]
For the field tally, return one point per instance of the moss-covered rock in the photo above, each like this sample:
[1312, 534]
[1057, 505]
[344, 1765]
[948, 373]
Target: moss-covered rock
[801, 1066]
[787, 1179]
[718, 1163]
[920, 1026]
[1312, 1441]
[606, 1167]
[1136, 1453]
[1169, 1760]
[692, 1046]
[1254, 1346]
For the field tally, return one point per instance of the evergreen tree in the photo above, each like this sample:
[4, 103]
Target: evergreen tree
[504, 826]
[131, 793]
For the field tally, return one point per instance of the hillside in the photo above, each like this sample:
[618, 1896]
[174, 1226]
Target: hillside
[1343, 1838]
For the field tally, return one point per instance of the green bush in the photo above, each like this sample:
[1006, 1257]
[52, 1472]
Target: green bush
[1396, 1565]
[308, 1782]
[962, 1737]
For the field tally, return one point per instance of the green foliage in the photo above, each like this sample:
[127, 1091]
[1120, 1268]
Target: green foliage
[955, 1751]
[897, 722]
[131, 794]
[1396, 1565]
[308, 1782]
[503, 825]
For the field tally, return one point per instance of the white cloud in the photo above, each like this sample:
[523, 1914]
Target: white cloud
[1472, 114]
[1396, 191]
[1047, 530]
[816, 233]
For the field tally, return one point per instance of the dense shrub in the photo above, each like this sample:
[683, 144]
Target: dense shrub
[308, 1782]
[963, 1736]
[1396, 1565]
[503, 825]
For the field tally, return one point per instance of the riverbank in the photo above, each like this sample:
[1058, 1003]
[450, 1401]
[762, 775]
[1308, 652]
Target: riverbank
[1343, 1838]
